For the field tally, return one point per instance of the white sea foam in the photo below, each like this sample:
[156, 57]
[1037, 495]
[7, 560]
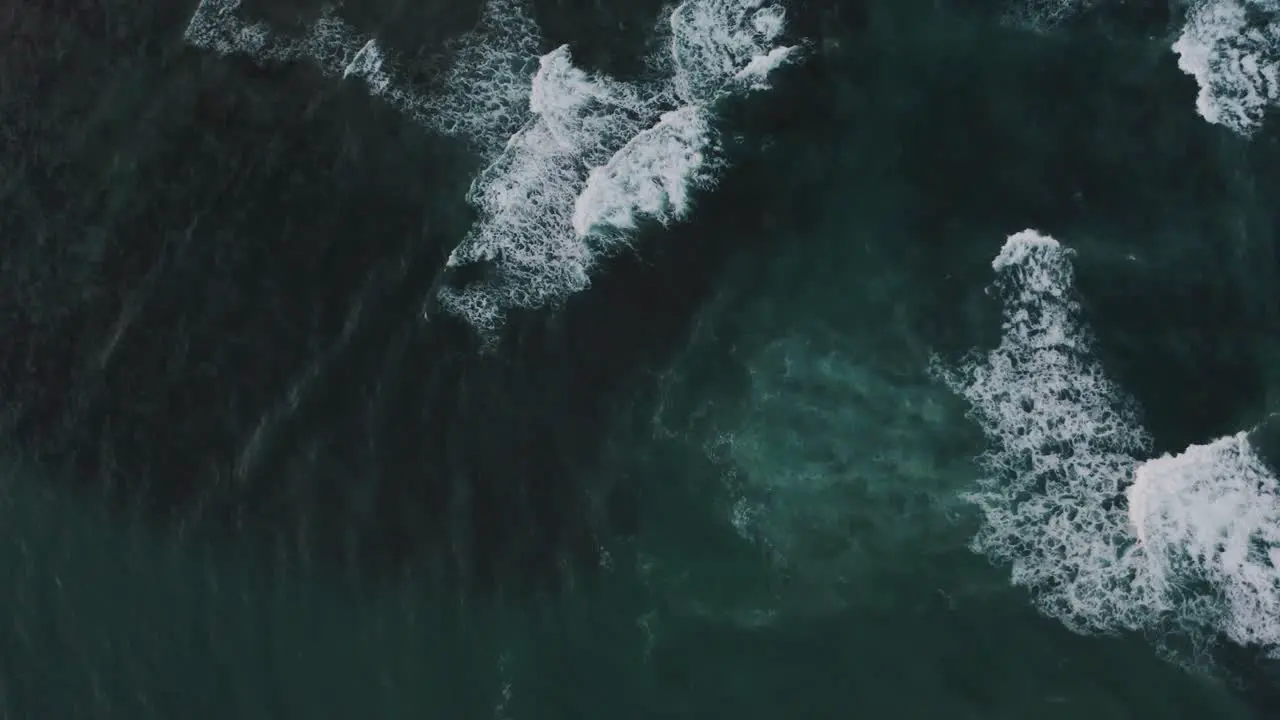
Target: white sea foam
[588, 115]
[1195, 550]
[1063, 442]
[651, 176]
[484, 95]
[1232, 49]
[215, 26]
[332, 45]
[526, 197]
[480, 98]
[575, 159]
[755, 76]
[1211, 516]
[712, 40]
[611, 153]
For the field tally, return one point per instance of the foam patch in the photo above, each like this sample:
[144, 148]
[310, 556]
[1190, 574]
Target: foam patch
[1232, 49]
[599, 155]
[1104, 540]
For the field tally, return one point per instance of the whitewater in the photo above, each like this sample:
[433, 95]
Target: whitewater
[576, 160]
[1232, 49]
[598, 155]
[1185, 548]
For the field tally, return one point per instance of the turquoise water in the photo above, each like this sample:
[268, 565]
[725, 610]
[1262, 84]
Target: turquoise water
[247, 479]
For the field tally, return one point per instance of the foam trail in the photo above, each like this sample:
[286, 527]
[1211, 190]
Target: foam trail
[332, 45]
[479, 98]
[486, 90]
[1197, 547]
[1062, 445]
[1232, 49]
[717, 48]
[600, 154]
[215, 26]
[649, 177]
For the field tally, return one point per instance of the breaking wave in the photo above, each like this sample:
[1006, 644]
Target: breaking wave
[1104, 540]
[1232, 49]
[1211, 516]
[526, 197]
[599, 154]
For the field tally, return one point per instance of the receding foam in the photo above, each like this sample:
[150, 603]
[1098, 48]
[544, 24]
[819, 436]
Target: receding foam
[1232, 49]
[480, 98]
[333, 46]
[484, 94]
[1063, 442]
[1104, 540]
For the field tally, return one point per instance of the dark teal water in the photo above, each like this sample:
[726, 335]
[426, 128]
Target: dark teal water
[245, 478]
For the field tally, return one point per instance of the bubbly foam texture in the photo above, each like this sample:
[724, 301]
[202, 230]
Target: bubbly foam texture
[575, 159]
[599, 154]
[214, 26]
[1195, 550]
[589, 116]
[1063, 443]
[755, 76]
[526, 197]
[711, 40]
[651, 176]
[485, 92]
[1211, 516]
[480, 98]
[1232, 49]
[334, 47]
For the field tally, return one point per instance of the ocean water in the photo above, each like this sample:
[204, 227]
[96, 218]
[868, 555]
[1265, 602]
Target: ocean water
[533, 359]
